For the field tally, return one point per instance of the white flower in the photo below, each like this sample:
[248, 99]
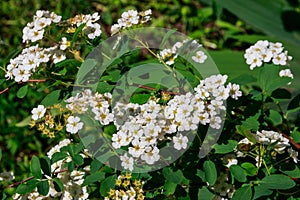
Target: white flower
[231, 161]
[151, 155]
[38, 112]
[180, 142]
[115, 29]
[35, 35]
[93, 30]
[58, 56]
[286, 73]
[64, 43]
[137, 149]
[200, 57]
[127, 162]
[74, 124]
[21, 74]
[280, 59]
[293, 154]
[234, 90]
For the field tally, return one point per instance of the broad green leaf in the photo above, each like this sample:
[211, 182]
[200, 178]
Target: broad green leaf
[58, 156]
[27, 187]
[51, 98]
[103, 87]
[204, 193]
[244, 79]
[275, 117]
[95, 165]
[251, 122]
[296, 135]
[173, 176]
[71, 166]
[293, 171]
[97, 176]
[210, 172]
[245, 193]
[140, 98]
[46, 165]
[78, 159]
[225, 148]
[22, 91]
[271, 182]
[238, 173]
[169, 187]
[260, 191]
[43, 187]
[84, 69]
[35, 167]
[107, 184]
[58, 185]
[201, 174]
[250, 169]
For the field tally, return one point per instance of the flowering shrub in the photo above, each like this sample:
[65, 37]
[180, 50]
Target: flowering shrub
[148, 145]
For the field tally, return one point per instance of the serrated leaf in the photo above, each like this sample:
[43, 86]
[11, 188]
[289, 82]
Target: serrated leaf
[244, 193]
[271, 182]
[46, 165]
[107, 184]
[35, 167]
[173, 176]
[58, 185]
[225, 148]
[210, 172]
[204, 193]
[43, 187]
[275, 117]
[22, 91]
[238, 173]
[51, 98]
[98, 176]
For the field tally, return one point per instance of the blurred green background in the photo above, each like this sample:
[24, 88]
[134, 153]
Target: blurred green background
[225, 27]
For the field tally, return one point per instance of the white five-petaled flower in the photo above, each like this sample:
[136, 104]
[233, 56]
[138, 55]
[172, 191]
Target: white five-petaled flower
[38, 112]
[180, 142]
[127, 162]
[200, 57]
[74, 124]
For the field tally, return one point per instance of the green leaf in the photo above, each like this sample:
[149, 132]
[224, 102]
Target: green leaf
[243, 79]
[84, 69]
[238, 173]
[169, 187]
[71, 166]
[35, 167]
[244, 193]
[293, 170]
[272, 182]
[95, 165]
[210, 172]
[204, 193]
[275, 117]
[250, 169]
[225, 148]
[103, 87]
[97, 176]
[51, 98]
[22, 91]
[58, 185]
[175, 177]
[260, 191]
[46, 165]
[140, 98]
[78, 159]
[201, 174]
[24, 122]
[246, 133]
[75, 35]
[43, 187]
[296, 135]
[251, 122]
[66, 62]
[27, 188]
[107, 184]
[58, 156]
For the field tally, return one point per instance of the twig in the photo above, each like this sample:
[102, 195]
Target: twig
[19, 183]
[153, 89]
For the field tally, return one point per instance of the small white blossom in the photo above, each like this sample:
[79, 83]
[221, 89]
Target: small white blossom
[38, 112]
[74, 124]
[200, 57]
[180, 142]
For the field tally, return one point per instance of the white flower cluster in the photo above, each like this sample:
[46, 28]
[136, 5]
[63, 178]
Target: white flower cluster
[21, 67]
[169, 55]
[279, 143]
[34, 30]
[98, 103]
[92, 28]
[265, 51]
[141, 127]
[130, 18]
[72, 182]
